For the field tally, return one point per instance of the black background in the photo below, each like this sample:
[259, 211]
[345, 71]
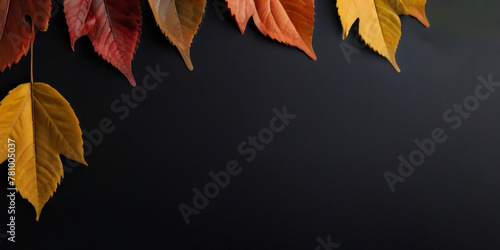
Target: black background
[321, 177]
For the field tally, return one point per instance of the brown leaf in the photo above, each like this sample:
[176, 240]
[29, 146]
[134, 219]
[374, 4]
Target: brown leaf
[179, 20]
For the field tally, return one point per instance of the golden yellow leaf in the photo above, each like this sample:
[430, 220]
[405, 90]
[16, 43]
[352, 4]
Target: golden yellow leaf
[379, 23]
[43, 125]
[179, 20]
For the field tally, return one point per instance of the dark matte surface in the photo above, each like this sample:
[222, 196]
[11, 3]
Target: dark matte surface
[322, 176]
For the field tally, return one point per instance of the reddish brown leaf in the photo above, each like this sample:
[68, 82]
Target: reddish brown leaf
[113, 27]
[15, 32]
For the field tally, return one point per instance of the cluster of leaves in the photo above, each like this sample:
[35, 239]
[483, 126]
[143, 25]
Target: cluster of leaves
[114, 26]
[42, 122]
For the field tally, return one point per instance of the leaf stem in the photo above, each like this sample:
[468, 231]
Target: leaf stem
[32, 85]
[31, 52]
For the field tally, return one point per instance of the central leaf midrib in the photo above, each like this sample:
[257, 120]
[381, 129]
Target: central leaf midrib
[110, 23]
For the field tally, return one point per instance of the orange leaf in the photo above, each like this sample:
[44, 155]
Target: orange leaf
[288, 21]
[242, 11]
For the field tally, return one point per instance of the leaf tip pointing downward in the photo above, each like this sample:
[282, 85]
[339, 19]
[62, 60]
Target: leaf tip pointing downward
[42, 126]
[186, 56]
[419, 13]
[396, 67]
[114, 28]
[391, 57]
[130, 77]
[311, 54]
[179, 20]
[242, 28]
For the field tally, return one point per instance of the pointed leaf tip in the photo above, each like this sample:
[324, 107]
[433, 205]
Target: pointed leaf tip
[179, 20]
[43, 126]
[419, 13]
[379, 22]
[113, 27]
[287, 21]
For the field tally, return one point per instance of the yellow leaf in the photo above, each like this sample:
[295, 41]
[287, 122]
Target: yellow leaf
[379, 23]
[179, 20]
[43, 125]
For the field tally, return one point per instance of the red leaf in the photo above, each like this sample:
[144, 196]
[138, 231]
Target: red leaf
[76, 14]
[113, 27]
[15, 32]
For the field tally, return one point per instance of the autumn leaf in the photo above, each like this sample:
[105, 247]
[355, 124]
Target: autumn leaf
[15, 32]
[42, 125]
[179, 20]
[113, 27]
[379, 23]
[288, 21]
